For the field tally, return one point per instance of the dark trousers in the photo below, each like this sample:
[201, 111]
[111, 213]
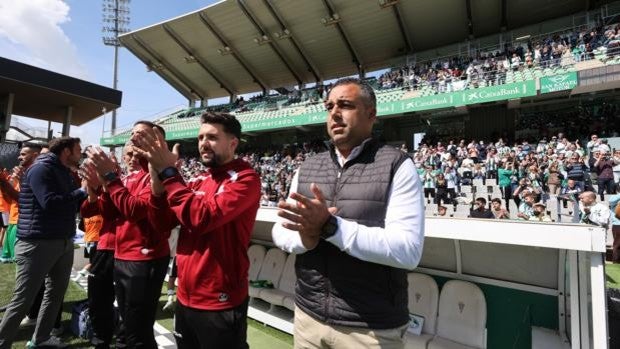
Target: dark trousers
[606, 185]
[442, 197]
[138, 288]
[615, 254]
[452, 196]
[101, 297]
[36, 306]
[507, 191]
[429, 193]
[516, 198]
[204, 329]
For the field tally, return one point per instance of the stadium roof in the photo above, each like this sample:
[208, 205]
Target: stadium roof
[241, 46]
[45, 95]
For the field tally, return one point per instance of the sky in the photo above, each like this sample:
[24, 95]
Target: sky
[65, 36]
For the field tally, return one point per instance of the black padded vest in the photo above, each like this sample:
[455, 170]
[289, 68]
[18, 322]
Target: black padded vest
[333, 286]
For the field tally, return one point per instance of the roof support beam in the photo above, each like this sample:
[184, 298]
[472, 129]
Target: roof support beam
[345, 38]
[6, 112]
[234, 53]
[401, 26]
[248, 13]
[199, 60]
[470, 21]
[66, 124]
[183, 90]
[283, 26]
[170, 67]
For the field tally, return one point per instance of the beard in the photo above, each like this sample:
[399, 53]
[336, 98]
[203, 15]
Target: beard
[212, 162]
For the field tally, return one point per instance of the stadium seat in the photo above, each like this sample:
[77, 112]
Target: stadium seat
[496, 194]
[512, 207]
[462, 316]
[284, 293]
[479, 188]
[271, 269]
[430, 209]
[256, 255]
[462, 211]
[423, 301]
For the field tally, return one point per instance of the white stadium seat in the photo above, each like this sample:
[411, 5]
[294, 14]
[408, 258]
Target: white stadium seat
[462, 317]
[423, 301]
[256, 254]
[284, 293]
[271, 270]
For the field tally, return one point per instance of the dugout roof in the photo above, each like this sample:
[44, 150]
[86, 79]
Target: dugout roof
[45, 95]
[244, 46]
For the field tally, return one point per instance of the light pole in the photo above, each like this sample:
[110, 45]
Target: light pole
[115, 16]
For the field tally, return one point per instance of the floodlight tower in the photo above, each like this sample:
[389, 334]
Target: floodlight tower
[115, 16]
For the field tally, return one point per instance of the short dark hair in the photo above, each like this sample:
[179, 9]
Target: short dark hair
[34, 146]
[57, 145]
[229, 122]
[481, 200]
[499, 201]
[152, 125]
[368, 93]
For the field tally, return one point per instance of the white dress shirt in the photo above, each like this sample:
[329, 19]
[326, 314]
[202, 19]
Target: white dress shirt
[398, 245]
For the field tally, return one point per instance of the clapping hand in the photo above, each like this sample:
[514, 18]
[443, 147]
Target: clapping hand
[307, 216]
[101, 161]
[153, 147]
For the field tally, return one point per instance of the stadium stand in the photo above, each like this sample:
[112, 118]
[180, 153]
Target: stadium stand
[533, 163]
[545, 55]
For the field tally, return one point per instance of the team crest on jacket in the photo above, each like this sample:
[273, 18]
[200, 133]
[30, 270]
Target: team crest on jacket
[223, 297]
[233, 175]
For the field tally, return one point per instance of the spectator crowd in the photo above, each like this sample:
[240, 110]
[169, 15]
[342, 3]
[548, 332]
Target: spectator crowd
[527, 174]
[485, 67]
[490, 67]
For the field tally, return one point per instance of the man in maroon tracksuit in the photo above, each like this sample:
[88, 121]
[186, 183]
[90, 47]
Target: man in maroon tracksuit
[216, 211]
[101, 279]
[141, 250]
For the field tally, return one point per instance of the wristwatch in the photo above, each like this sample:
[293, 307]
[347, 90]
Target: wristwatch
[110, 176]
[167, 173]
[330, 228]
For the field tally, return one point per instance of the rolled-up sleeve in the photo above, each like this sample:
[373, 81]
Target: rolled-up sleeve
[286, 239]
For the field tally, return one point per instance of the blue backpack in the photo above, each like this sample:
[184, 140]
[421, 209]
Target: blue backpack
[80, 320]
